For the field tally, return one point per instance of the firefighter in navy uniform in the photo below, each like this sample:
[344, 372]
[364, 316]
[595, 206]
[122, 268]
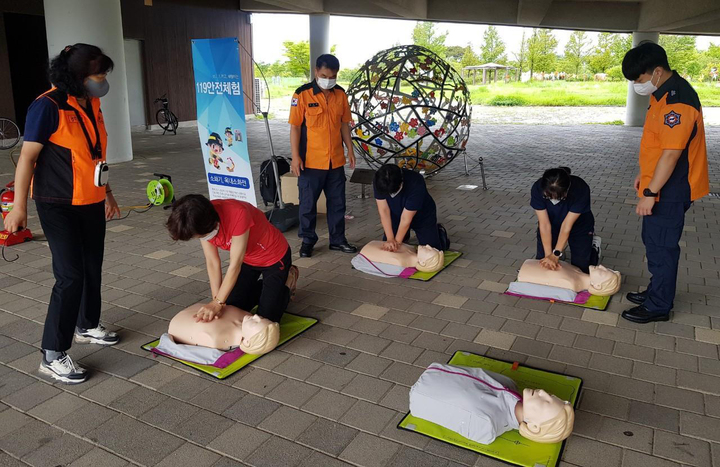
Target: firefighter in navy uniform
[319, 125]
[673, 173]
[64, 143]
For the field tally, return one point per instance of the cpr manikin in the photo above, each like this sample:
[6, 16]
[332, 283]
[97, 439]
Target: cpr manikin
[234, 328]
[481, 405]
[425, 259]
[601, 281]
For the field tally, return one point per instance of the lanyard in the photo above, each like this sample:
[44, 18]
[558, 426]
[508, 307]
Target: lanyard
[96, 150]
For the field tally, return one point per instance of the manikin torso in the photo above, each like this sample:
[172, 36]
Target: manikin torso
[222, 333]
[601, 281]
[567, 277]
[405, 256]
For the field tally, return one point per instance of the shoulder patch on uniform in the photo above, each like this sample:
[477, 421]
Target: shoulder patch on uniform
[294, 102]
[672, 119]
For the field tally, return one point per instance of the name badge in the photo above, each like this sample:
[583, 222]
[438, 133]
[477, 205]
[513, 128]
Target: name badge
[313, 104]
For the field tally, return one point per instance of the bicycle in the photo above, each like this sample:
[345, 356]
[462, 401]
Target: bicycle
[9, 133]
[164, 117]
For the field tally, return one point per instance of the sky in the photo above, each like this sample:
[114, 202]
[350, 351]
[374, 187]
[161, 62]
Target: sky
[358, 39]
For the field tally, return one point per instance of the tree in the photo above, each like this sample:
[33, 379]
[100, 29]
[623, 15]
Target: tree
[619, 46]
[541, 51]
[682, 53]
[454, 53]
[601, 59]
[521, 57]
[426, 36]
[576, 50]
[493, 48]
[298, 58]
[469, 58]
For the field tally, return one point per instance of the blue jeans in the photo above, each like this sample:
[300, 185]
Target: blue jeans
[311, 183]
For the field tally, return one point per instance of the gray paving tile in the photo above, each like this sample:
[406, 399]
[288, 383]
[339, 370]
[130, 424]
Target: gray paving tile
[368, 417]
[30, 396]
[410, 457]
[190, 456]
[97, 457]
[137, 401]
[287, 422]
[134, 440]
[293, 393]
[228, 441]
[203, 427]
[590, 453]
[368, 388]
[251, 409]
[681, 449]
[278, 452]
[328, 437]
[369, 450]
[60, 451]
[329, 404]
[169, 413]
[28, 438]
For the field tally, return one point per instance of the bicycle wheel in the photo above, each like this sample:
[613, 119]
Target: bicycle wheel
[173, 121]
[9, 133]
[164, 120]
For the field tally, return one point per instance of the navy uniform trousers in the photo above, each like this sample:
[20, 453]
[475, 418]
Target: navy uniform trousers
[661, 234]
[582, 254]
[311, 183]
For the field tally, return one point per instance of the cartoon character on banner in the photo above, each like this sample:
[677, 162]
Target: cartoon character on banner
[215, 144]
[229, 136]
[238, 135]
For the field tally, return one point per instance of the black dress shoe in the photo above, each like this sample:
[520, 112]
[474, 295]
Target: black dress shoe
[344, 247]
[637, 298]
[642, 315]
[306, 250]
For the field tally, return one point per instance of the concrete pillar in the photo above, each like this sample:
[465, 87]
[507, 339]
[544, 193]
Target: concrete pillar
[96, 22]
[319, 38]
[484, 75]
[637, 105]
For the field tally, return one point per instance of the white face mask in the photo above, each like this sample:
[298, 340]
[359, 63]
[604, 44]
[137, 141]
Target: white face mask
[211, 235]
[326, 83]
[555, 201]
[646, 88]
[392, 195]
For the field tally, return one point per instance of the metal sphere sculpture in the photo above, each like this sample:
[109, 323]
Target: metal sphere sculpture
[411, 108]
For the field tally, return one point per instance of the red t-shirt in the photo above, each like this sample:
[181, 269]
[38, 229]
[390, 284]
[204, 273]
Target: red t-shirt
[266, 245]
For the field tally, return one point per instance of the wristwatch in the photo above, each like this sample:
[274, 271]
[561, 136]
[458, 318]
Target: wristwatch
[558, 253]
[649, 194]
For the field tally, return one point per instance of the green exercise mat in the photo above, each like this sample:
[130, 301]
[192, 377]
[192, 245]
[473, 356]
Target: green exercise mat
[510, 447]
[290, 326]
[450, 256]
[595, 302]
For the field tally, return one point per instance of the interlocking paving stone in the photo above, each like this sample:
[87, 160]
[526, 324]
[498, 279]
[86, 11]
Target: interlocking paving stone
[329, 404]
[279, 452]
[369, 450]
[191, 456]
[60, 451]
[251, 409]
[97, 457]
[681, 448]
[367, 417]
[229, 442]
[326, 436]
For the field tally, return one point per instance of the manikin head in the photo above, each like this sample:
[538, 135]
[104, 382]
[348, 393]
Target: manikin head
[546, 418]
[429, 259]
[603, 281]
[259, 335]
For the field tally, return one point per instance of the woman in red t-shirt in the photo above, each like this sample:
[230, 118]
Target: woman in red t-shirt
[256, 249]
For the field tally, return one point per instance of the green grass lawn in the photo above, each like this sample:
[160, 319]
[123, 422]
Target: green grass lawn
[569, 94]
[539, 93]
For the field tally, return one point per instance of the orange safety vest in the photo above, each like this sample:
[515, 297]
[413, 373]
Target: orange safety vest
[65, 168]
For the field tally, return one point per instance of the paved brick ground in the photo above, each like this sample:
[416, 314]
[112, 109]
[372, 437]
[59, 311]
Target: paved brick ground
[334, 396]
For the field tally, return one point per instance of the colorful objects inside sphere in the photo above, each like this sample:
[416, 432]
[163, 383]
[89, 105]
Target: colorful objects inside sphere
[410, 108]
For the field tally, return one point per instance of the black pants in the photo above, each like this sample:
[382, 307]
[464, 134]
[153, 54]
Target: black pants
[661, 234]
[270, 294]
[76, 235]
[428, 234]
[311, 183]
[582, 253]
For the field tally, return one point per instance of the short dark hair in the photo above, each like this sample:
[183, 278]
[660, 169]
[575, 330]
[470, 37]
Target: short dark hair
[328, 61]
[644, 59]
[76, 62]
[191, 215]
[555, 183]
[388, 179]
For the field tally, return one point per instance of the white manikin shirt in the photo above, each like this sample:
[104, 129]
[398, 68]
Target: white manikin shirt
[477, 404]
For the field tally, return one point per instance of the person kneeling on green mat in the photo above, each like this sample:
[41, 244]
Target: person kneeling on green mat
[256, 249]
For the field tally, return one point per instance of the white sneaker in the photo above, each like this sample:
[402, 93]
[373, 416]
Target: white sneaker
[63, 369]
[597, 244]
[99, 335]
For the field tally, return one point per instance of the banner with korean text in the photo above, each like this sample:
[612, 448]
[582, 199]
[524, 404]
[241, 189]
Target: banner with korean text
[221, 119]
